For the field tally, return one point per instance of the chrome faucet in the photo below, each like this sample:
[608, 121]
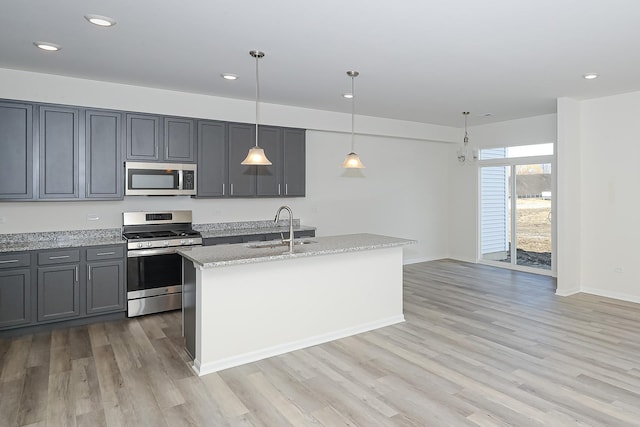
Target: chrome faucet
[290, 239]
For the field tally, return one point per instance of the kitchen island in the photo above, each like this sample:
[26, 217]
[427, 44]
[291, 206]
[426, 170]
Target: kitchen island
[246, 302]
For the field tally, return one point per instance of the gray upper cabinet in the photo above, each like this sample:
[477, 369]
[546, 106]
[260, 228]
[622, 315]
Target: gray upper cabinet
[103, 163]
[143, 137]
[220, 172]
[294, 162]
[212, 159]
[160, 139]
[51, 152]
[16, 145]
[59, 152]
[242, 179]
[179, 140]
[269, 178]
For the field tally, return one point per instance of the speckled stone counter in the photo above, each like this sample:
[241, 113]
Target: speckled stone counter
[59, 239]
[247, 253]
[226, 229]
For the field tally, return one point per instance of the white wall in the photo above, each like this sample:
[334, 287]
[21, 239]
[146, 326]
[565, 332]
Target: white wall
[609, 204]
[403, 191]
[463, 181]
[568, 210]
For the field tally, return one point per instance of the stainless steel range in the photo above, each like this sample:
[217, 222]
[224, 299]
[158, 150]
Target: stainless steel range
[154, 269]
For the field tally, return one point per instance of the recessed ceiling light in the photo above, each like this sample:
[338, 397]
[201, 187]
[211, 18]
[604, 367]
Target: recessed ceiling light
[229, 76]
[101, 21]
[50, 47]
[347, 95]
[590, 76]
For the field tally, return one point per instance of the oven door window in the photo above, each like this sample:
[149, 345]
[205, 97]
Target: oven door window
[144, 179]
[155, 271]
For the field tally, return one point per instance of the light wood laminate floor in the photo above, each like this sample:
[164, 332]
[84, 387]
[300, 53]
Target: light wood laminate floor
[481, 346]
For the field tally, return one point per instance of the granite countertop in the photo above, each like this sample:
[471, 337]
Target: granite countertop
[242, 253]
[19, 242]
[227, 229]
[60, 239]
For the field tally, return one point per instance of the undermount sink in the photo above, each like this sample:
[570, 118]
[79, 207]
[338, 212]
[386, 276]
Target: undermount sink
[276, 244]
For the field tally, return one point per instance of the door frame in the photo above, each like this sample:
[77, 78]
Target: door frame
[512, 162]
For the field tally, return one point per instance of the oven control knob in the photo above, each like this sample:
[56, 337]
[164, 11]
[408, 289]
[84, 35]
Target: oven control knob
[191, 241]
[149, 244]
[183, 242]
[165, 243]
[140, 244]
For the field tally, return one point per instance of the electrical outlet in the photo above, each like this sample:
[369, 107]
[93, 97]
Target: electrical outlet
[3, 220]
[619, 269]
[93, 217]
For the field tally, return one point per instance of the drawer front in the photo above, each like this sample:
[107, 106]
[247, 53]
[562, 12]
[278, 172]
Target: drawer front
[226, 240]
[106, 252]
[59, 257]
[15, 260]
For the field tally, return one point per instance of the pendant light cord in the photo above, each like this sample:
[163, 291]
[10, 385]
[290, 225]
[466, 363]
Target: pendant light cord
[353, 113]
[257, 99]
[466, 134]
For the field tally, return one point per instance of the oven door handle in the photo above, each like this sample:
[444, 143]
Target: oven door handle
[155, 251]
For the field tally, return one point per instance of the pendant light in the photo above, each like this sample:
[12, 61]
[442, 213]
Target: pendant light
[352, 161]
[256, 154]
[466, 156]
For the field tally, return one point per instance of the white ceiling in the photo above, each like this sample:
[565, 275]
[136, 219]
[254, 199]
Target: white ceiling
[419, 60]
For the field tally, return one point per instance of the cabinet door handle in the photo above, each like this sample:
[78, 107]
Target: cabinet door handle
[89, 272]
[59, 257]
[10, 261]
[223, 188]
[278, 189]
[75, 276]
[286, 189]
[105, 253]
[231, 190]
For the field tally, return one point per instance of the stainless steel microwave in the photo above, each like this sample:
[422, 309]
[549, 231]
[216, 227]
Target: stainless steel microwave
[160, 179]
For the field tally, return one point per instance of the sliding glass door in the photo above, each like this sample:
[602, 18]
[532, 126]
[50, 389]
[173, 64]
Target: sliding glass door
[516, 227]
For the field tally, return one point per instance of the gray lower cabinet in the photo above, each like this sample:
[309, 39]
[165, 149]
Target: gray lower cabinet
[58, 284]
[15, 289]
[257, 237]
[105, 287]
[58, 292]
[16, 146]
[15, 297]
[105, 279]
[223, 240]
[59, 153]
[53, 285]
[103, 158]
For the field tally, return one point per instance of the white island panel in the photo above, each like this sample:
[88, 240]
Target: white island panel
[248, 312]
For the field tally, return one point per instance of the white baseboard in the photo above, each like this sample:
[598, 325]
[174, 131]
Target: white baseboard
[208, 368]
[568, 292]
[415, 260]
[614, 295]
